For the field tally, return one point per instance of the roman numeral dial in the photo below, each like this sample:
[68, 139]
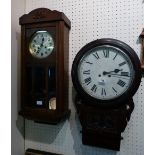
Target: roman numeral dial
[86, 72]
[106, 53]
[124, 73]
[87, 80]
[94, 88]
[123, 63]
[96, 55]
[121, 83]
[105, 72]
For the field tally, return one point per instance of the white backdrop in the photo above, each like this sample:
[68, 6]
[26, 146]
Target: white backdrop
[91, 20]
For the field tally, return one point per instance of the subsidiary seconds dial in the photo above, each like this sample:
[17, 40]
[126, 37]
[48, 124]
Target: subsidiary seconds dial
[41, 44]
[106, 70]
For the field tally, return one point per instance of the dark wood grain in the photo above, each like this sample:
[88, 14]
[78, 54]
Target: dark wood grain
[44, 15]
[102, 127]
[103, 121]
[58, 25]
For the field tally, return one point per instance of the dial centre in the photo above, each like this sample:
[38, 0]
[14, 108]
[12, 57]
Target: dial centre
[101, 82]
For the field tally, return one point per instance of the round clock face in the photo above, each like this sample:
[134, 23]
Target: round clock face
[105, 71]
[41, 44]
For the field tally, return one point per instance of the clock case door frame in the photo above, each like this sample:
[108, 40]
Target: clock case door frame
[45, 19]
[89, 100]
[35, 65]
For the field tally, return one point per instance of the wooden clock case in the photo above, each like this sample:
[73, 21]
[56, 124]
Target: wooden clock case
[103, 121]
[36, 83]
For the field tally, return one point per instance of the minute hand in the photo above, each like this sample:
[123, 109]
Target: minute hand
[120, 75]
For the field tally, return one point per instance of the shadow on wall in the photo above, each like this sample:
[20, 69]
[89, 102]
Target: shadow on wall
[79, 148]
[44, 133]
[20, 120]
[20, 125]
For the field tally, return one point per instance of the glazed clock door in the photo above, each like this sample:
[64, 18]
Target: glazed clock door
[40, 72]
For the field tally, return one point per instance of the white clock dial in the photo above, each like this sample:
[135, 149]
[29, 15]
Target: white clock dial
[105, 72]
[41, 45]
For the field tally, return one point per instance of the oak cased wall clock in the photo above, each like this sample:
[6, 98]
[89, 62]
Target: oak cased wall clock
[44, 65]
[106, 73]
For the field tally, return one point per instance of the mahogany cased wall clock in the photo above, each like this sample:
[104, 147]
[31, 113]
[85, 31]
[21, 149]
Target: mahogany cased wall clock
[44, 65]
[106, 73]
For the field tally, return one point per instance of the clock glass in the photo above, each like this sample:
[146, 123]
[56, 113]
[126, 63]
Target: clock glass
[41, 44]
[105, 72]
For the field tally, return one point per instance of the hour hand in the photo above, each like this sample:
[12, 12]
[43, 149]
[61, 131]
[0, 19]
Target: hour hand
[42, 42]
[114, 71]
[117, 70]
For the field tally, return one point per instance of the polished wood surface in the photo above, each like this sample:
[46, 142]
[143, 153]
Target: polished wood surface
[36, 81]
[102, 127]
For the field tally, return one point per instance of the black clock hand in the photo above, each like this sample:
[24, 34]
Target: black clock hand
[115, 71]
[120, 75]
[42, 43]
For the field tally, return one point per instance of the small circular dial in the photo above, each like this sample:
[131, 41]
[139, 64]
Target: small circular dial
[105, 72]
[41, 44]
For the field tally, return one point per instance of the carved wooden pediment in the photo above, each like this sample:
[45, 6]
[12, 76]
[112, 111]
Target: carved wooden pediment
[43, 15]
